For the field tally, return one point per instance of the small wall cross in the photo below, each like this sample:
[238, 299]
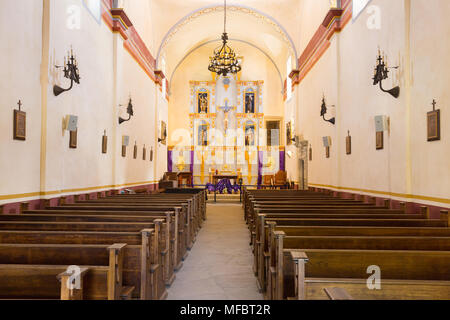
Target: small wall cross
[434, 104]
[19, 104]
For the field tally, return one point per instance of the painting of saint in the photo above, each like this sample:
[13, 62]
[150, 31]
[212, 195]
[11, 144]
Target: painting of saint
[249, 135]
[203, 102]
[289, 133]
[249, 102]
[203, 135]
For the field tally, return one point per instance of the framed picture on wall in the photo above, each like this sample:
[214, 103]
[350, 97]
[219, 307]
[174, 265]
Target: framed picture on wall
[380, 140]
[327, 152]
[135, 151]
[348, 144]
[124, 151]
[434, 125]
[73, 139]
[104, 144]
[289, 133]
[20, 128]
[163, 138]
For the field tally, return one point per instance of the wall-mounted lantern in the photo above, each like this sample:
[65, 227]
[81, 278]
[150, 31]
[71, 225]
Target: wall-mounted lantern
[324, 110]
[381, 73]
[129, 112]
[71, 72]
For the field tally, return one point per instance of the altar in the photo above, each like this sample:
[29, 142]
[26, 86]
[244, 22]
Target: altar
[227, 134]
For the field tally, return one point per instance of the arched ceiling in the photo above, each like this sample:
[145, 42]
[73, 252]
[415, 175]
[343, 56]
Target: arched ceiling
[204, 25]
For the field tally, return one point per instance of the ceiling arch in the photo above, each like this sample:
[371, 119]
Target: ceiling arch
[204, 24]
[216, 40]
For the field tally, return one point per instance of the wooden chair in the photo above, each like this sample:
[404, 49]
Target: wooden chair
[267, 182]
[280, 180]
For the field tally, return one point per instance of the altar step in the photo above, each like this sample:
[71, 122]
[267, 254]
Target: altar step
[224, 198]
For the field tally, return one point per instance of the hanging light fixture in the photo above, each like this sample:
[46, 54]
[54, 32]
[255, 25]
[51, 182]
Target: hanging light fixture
[224, 60]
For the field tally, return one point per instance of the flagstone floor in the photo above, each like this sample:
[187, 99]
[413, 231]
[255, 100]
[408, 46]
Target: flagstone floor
[219, 266]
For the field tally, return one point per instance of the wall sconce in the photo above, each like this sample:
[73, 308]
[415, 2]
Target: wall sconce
[381, 73]
[296, 140]
[129, 111]
[71, 72]
[70, 123]
[324, 110]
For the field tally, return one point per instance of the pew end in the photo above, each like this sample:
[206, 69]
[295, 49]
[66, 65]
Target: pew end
[337, 294]
[68, 291]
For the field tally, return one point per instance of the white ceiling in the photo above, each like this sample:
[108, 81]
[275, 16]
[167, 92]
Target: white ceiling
[185, 29]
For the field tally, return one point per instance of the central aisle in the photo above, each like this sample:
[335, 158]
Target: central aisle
[219, 267]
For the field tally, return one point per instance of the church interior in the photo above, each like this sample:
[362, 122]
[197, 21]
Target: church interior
[225, 150]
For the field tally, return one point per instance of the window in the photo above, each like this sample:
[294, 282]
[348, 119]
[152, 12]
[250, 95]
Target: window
[95, 9]
[273, 133]
[358, 7]
[289, 80]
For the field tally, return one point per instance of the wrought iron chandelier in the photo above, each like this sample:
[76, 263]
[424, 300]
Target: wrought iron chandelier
[224, 60]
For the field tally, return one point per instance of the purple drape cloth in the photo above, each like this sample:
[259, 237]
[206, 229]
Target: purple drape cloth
[222, 185]
[260, 167]
[192, 166]
[282, 160]
[169, 161]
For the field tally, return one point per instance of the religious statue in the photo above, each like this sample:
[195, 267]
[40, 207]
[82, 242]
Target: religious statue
[250, 102]
[249, 135]
[203, 102]
[203, 135]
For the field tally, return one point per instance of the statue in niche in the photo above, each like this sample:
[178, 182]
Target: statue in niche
[203, 135]
[249, 135]
[249, 102]
[203, 102]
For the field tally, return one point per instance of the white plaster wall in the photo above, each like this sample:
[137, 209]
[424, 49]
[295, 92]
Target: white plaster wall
[107, 79]
[430, 47]
[20, 49]
[91, 101]
[408, 164]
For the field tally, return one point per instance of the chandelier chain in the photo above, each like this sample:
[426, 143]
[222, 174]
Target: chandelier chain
[225, 60]
[225, 17]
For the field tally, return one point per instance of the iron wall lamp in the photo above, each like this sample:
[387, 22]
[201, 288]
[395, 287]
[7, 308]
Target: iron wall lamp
[129, 111]
[381, 73]
[71, 72]
[324, 110]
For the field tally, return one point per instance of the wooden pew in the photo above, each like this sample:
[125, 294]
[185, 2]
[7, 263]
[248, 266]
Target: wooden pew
[260, 248]
[187, 224]
[337, 294]
[175, 227]
[146, 275]
[27, 267]
[167, 232]
[404, 274]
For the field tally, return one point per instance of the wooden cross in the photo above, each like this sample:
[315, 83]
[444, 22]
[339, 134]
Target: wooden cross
[434, 104]
[19, 104]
